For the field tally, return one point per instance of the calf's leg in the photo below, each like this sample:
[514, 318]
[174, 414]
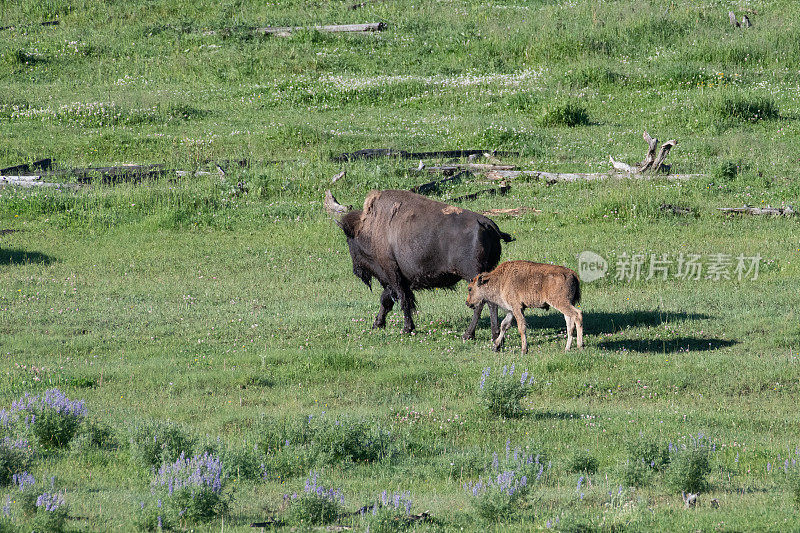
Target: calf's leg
[501, 336]
[574, 318]
[521, 325]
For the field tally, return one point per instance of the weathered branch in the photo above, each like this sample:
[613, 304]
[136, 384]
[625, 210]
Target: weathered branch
[513, 212]
[768, 210]
[41, 164]
[46, 23]
[651, 161]
[678, 210]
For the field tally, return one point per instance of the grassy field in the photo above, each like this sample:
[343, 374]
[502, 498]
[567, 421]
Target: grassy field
[195, 315]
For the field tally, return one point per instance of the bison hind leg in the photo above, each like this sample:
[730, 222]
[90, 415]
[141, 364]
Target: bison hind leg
[387, 303]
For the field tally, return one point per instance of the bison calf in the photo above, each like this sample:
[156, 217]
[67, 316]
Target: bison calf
[515, 285]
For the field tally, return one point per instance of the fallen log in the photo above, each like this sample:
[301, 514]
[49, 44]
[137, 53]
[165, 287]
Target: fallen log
[678, 210]
[501, 190]
[555, 177]
[284, 31]
[436, 185]
[374, 153]
[768, 210]
[46, 23]
[482, 167]
[41, 164]
[34, 181]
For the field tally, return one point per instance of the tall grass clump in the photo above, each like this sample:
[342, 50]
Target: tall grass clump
[153, 443]
[744, 107]
[502, 394]
[325, 440]
[689, 465]
[569, 114]
[645, 458]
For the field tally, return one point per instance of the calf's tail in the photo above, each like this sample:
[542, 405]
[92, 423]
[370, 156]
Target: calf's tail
[576, 297]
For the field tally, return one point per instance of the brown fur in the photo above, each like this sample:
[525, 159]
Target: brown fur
[409, 242]
[517, 285]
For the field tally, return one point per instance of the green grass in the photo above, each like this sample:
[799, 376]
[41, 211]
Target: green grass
[217, 309]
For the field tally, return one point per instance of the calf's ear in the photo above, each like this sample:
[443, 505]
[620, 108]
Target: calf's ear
[481, 280]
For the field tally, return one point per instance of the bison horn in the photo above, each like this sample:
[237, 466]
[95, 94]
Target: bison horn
[334, 208]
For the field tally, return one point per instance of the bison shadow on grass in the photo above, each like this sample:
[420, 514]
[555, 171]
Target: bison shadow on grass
[598, 323]
[21, 257]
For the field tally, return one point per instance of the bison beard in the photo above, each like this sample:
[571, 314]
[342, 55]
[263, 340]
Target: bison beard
[409, 242]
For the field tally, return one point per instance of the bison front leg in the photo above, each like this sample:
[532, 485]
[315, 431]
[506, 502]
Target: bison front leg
[387, 303]
[470, 333]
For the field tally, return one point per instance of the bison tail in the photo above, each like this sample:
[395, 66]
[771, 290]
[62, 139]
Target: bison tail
[576, 299]
[490, 224]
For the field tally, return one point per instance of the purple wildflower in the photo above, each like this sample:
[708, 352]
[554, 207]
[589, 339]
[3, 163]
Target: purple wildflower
[201, 472]
[51, 501]
[23, 480]
[485, 375]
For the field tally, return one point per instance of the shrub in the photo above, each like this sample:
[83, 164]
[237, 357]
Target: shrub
[689, 466]
[502, 394]
[154, 443]
[582, 461]
[499, 493]
[45, 511]
[316, 506]
[564, 114]
[15, 456]
[94, 435]
[325, 440]
[351, 439]
[51, 512]
[52, 418]
[389, 513]
[191, 489]
[727, 170]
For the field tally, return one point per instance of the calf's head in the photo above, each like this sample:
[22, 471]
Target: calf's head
[476, 290]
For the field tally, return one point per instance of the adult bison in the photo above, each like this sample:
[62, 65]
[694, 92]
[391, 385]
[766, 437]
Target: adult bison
[409, 242]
